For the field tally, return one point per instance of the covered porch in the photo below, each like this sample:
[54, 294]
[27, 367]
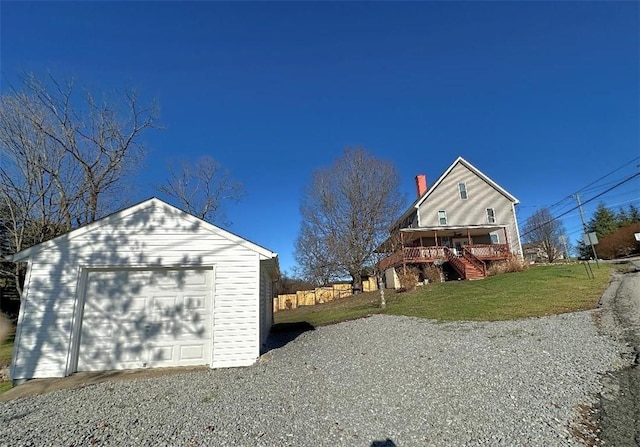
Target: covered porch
[474, 244]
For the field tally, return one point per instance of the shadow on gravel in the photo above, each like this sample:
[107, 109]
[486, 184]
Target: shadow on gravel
[386, 443]
[283, 333]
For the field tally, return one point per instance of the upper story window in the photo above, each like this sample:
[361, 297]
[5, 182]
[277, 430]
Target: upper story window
[442, 217]
[462, 189]
[491, 216]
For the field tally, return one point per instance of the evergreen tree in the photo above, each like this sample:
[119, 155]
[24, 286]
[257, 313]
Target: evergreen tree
[603, 222]
[634, 213]
[622, 218]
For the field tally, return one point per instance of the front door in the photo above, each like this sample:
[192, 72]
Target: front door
[458, 242]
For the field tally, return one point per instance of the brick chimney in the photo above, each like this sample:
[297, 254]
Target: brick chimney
[421, 184]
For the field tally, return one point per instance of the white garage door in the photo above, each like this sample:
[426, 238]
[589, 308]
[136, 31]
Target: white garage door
[146, 318]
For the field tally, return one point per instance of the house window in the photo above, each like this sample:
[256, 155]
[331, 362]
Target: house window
[494, 238]
[462, 189]
[491, 216]
[442, 217]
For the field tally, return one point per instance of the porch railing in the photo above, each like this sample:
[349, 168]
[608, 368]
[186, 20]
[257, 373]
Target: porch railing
[488, 252]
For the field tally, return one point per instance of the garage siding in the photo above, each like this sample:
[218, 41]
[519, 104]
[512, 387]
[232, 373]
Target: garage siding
[266, 303]
[153, 236]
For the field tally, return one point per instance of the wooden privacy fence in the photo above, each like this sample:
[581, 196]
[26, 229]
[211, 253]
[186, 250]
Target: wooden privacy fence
[319, 295]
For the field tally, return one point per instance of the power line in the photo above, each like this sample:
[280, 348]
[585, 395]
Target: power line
[595, 181]
[628, 179]
[607, 175]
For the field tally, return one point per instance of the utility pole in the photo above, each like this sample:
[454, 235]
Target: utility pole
[584, 227]
[563, 239]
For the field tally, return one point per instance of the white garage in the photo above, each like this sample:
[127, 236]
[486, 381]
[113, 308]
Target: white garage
[149, 286]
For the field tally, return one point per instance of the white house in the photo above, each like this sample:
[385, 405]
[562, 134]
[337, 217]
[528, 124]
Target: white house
[148, 286]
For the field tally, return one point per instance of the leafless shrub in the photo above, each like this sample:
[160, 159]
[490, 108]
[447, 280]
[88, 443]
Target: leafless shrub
[513, 264]
[432, 273]
[408, 278]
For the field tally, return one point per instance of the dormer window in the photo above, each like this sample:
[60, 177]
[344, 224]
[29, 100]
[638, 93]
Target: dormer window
[462, 189]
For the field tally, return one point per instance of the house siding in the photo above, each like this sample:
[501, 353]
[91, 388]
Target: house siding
[472, 211]
[156, 236]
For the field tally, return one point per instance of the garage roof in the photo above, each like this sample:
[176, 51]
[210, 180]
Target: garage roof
[118, 215]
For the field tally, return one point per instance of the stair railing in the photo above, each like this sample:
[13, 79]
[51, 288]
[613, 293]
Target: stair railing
[474, 260]
[457, 264]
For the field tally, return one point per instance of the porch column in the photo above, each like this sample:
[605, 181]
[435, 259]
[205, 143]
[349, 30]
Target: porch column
[506, 239]
[435, 236]
[469, 236]
[404, 263]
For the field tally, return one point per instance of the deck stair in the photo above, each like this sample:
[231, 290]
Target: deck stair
[467, 265]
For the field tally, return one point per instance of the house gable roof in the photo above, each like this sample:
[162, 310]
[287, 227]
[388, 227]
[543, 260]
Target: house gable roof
[473, 169]
[416, 204]
[142, 206]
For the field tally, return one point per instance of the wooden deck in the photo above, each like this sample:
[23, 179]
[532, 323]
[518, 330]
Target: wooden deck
[428, 255]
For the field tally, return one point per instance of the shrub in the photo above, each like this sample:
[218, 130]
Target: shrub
[620, 243]
[432, 273]
[513, 264]
[408, 278]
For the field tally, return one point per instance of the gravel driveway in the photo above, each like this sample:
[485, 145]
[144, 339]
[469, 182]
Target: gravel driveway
[378, 381]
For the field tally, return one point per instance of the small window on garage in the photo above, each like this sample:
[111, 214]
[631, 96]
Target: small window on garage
[462, 189]
[442, 217]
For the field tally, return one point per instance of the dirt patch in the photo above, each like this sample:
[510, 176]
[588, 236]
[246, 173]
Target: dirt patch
[78, 380]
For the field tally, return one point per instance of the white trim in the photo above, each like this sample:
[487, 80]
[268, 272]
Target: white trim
[73, 348]
[150, 203]
[213, 312]
[472, 169]
[515, 223]
[20, 324]
[258, 313]
[454, 227]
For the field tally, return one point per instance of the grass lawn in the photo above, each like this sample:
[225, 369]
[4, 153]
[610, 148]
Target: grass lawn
[6, 352]
[537, 291]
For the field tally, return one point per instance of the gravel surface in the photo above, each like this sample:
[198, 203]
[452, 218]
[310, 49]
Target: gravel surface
[620, 399]
[379, 381]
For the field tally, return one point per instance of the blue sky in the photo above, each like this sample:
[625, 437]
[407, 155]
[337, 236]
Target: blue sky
[543, 97]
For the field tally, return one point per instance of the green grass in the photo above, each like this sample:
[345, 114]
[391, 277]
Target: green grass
[6, 352]
[6, 349]
[538, 291]
[5, 386]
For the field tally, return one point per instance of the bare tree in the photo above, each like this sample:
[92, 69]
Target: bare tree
[315, 263]
[544, 232]
[347, 210]
[64, 156]
[202, 188]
